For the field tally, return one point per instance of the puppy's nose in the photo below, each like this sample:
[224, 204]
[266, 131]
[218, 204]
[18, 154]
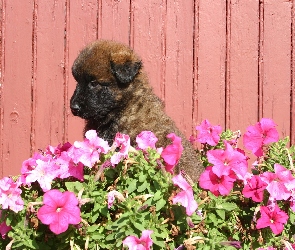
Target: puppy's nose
[75, 108]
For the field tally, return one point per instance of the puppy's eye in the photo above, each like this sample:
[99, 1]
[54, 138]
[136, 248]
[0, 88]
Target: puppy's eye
[93, 84]
[103, 83]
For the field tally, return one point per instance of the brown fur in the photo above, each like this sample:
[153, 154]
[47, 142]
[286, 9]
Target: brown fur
[113, 95]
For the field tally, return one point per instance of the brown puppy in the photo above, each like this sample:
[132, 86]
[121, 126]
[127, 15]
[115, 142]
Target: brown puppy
[113, 95]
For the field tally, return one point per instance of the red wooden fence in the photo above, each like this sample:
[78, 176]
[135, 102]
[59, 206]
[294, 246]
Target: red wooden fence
[230, 61]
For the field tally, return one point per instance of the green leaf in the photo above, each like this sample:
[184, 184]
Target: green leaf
[221, 213]
[160, 203]
[92, 228]
[229, 206]
[139, 226]
[132, 186]
[110, 237]
[142, 177]
[158, 195]
[142, 187]
[74, 187]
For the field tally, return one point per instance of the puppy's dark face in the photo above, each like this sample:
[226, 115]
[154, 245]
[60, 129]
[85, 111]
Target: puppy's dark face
[104, 71]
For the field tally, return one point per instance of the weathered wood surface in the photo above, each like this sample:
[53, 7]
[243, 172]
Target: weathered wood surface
[231, 62]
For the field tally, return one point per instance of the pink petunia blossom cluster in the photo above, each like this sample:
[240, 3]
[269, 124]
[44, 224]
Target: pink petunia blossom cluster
[63, 161]
[172, 153]
[230, 165]
[143, 243]
[208, 133]
[185, 197]
[259, 135]
[10, 194]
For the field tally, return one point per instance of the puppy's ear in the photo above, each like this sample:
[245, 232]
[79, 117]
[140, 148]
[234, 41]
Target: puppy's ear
[125, 66]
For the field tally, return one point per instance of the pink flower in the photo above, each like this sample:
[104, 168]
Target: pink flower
[143, 243]
[10, 195]
[4, 229]
[254, 188]
[226, 160]
[56, 151]
[122, 141]
[172, 153]
[272, 218]
[208, 133]
[185, 197]
[30, 164]
[44, 173]
[68, 168]
[64, 162]
[146, 139]
[217, 185]
[88, 151]
[262, 133]
[278, 182]
[59, 210]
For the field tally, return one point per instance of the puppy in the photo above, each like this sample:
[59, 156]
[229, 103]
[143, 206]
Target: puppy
[113, 95]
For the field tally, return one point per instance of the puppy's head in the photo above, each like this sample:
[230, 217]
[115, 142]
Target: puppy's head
[104, 72]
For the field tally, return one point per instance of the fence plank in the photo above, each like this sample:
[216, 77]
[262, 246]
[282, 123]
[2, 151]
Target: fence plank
[292, 118]
[276, 64]
[210, 55]
[49, 74]
[115, 21]
[82, 29]
[148, 39]
[243, 65]
[2, 23]
[17, 59]
[179, 63]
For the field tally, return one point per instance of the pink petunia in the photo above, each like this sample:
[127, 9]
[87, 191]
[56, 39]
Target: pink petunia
[172, 153]
[88, 151]
[30, 164]
[262, 133]
[56, 151]
[10, 195]
[217, 185]
[273, 218]
[279, 183]
[64, 163]
[67, 167]
[254, 188]
[228, 160]
[146, 139]
[185, 197]
[122, 142]
[208, 133]
[143, 243]
[44, 173]
[4, 229]
[59, 210]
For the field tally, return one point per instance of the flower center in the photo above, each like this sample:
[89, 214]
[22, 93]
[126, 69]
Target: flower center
[58, 209]
[271, 221]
